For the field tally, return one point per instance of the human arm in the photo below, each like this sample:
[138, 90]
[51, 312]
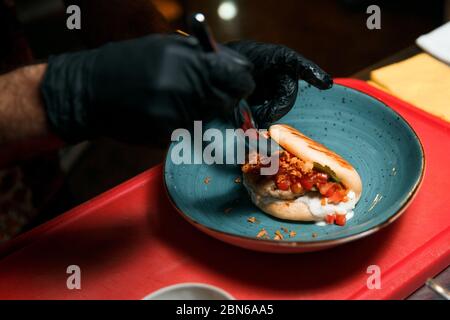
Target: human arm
[24, 128]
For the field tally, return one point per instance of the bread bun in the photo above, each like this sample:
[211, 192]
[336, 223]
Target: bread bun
[282, 204]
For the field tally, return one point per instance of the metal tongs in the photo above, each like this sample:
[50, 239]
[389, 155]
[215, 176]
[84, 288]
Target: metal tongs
[243, 116]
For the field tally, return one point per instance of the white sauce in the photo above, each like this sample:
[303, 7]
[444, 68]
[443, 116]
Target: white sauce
[319, 211]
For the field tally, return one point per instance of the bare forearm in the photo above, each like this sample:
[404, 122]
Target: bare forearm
[24, 129]
[22, 113]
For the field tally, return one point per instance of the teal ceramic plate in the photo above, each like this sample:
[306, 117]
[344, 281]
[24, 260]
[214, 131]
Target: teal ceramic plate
[376, 140]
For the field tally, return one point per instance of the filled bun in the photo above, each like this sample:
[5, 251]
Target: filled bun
[283, 204]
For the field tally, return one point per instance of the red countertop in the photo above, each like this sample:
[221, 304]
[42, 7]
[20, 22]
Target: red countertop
[129, 242]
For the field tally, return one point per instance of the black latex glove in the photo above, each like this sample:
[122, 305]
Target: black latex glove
[276, 72]
[140, 90]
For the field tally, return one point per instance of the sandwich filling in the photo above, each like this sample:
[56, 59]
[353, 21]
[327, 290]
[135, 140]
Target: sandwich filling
[316, 186]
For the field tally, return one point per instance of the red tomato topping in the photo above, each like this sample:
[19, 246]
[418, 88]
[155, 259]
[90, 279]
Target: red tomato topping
[320, 177]
[289, 179]
[296, 187]
[330, 218]
[341, 219]
[307, 182]
[327, 189]
[283, 182]
[338, 196]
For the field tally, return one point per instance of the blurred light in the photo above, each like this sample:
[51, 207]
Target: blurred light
[200, 17]
[227, 10]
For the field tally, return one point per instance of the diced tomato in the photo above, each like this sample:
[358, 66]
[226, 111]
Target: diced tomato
[335, 198]
[320, 177]
[338, 196]
[307, 182]
[296, 187]
[311, 180]
[283, 183]
[327, 189]
[334, 192]
[330, 218]
[340, 219]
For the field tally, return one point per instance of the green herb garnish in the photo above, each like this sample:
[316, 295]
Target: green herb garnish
[327, 170]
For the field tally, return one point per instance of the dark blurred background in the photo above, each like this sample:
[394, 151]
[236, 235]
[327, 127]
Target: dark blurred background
[333, 33]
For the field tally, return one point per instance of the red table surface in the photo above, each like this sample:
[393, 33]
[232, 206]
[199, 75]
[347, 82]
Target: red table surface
[129, 242]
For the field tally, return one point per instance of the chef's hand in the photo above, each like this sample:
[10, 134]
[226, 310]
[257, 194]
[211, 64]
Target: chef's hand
[140, 90]
[276, 72]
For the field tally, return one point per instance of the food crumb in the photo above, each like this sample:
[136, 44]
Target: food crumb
[227, 210]
[285, 230]
[238, 180]
[323, 201]
[262, 233]
[292, 234]
[314, 235]
[252, 220]
[278, 235]
[207, 180]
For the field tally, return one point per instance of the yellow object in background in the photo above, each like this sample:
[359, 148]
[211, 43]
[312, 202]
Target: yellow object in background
[421, 80]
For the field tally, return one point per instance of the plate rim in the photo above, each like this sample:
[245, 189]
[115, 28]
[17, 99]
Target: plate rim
[319, 243]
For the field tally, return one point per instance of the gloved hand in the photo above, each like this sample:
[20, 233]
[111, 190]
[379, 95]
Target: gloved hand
[141, 90]
[276, 72]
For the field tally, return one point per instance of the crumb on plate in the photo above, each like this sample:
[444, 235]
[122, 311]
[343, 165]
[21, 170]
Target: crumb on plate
[278, 235]
[252, 220]
[262, 233]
